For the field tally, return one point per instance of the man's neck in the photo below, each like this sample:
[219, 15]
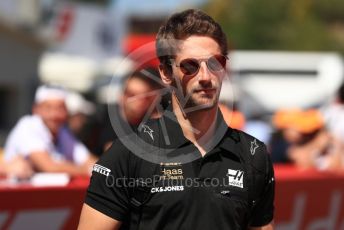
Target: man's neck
[197, 126]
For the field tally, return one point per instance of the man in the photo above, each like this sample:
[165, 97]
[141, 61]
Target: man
[43, 140]
[227, 180]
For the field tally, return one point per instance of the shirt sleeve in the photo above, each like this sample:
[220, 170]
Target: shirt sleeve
[108, 191]
[262, 213]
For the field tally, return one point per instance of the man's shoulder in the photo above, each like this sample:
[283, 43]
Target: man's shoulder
[244, 135]
[116, 150]
[120, 158]
[149, 131]
[254, 149]
[118, 153]
[259, 166]
[27, 123]
[30, 122]
[26, 120]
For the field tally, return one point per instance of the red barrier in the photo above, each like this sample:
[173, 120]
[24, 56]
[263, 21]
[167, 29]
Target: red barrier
[308, 199]
[27, 207]
[304, 200]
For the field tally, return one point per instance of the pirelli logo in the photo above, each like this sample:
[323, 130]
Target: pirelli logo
[101, 169]
[236, 178]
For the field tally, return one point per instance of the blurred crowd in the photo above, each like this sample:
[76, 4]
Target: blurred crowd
[52, 138]
[311, 138]
[46, 140]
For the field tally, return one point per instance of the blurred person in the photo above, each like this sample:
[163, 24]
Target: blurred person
[280, 141]
[278, 147]
[43, 140]
[310, 144]
[78, 110]
[193, 71]
[82, 122]
[140, 93]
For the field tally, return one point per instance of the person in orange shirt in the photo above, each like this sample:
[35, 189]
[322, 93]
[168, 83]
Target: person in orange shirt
[311, 145]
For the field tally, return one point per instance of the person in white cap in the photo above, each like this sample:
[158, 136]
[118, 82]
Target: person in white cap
[43, 140]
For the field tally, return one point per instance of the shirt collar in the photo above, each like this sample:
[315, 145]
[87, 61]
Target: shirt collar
[176, 137]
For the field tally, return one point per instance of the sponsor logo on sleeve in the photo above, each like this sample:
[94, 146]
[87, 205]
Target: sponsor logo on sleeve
[254, 146]
[101, 169]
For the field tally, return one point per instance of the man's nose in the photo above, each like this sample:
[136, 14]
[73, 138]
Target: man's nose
[204, 73]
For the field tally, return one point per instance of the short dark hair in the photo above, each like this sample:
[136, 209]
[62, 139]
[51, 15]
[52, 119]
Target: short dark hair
[182, 25]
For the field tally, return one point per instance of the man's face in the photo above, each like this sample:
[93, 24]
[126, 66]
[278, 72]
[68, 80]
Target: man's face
[53, 113]
[137, 98]
[202, 89]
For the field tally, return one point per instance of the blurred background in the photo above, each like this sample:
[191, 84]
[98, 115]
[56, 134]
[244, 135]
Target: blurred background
[283, 54]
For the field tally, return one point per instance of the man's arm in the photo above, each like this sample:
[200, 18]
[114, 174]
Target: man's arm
[263, 211]
[42, 161]
[17, 167]
[269, 226]
[92, 219]
[107, 201]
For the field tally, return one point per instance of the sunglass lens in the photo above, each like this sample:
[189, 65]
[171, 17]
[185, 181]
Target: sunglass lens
[189, 66]
[217, 63]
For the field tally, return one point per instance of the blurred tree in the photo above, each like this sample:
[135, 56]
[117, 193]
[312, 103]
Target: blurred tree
[281, 25]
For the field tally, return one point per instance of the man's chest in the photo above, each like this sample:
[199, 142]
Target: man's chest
[215, 187]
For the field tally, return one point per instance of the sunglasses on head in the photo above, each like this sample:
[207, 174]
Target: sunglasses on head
[191, 66]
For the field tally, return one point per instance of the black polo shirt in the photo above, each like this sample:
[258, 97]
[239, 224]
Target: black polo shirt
[225, 189]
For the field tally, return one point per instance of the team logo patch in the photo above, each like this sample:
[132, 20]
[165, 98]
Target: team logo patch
[101, 169]
[236, 178]
[254, 146]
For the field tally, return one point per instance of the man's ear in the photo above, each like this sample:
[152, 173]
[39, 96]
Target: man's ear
[166, 74]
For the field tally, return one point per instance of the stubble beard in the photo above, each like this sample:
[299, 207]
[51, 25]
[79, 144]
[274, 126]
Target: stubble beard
[191, 101]
[201, 102]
